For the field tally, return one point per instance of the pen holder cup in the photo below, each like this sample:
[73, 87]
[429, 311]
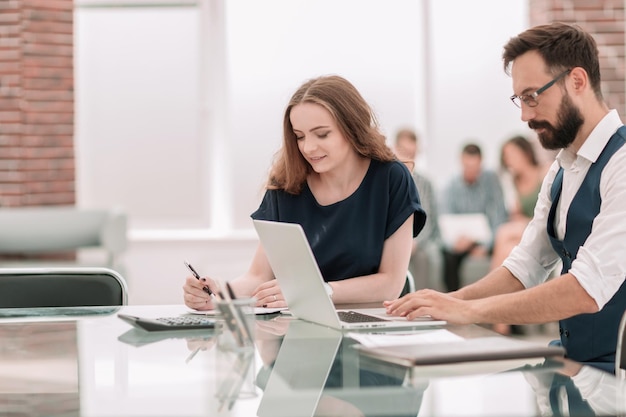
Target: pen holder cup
[237, 327]
[236, 378]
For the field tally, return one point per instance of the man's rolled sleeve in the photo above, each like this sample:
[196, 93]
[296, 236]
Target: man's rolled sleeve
[587, 269]
[525, 268]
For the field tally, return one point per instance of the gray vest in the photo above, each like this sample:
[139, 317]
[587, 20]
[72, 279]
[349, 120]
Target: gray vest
[589, 338]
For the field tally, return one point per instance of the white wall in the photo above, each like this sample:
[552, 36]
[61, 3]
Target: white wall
[275, 45]
[137, 118]
[179, 109]
[469, 91]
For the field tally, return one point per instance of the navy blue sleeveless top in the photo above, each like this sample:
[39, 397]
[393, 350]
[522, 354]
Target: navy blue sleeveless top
[347, 237]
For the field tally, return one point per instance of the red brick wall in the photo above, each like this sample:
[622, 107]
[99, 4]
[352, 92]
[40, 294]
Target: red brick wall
[604, 19]
[36, 103]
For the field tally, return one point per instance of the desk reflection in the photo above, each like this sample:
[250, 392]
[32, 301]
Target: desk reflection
[39, 370]
[96, 366]
[315, 372]
[566, 388]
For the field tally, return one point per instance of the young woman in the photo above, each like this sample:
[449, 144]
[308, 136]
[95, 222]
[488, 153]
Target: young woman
[519, 160]
[357, 204]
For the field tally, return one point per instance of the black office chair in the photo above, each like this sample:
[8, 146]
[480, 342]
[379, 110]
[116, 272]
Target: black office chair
[61, 287]
[620, 352]
[409, 284]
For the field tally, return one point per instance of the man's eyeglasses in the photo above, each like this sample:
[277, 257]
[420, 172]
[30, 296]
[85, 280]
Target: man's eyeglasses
[531, 99]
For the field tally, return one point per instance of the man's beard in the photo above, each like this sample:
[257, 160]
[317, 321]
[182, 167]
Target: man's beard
[569, 122]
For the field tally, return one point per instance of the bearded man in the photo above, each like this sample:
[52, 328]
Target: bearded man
[580, 216]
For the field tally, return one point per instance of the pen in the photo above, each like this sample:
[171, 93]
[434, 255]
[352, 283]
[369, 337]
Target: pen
[231, 293]
[232, 317]
[206, 288]
[241, 316]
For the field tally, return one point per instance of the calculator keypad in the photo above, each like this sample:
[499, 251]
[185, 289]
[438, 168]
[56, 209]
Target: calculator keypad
[185, 321]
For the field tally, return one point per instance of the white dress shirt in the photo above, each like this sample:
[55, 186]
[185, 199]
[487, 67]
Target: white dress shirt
[600, 266]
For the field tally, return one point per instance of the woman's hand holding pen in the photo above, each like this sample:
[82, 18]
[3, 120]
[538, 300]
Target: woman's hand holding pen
[192, 297]
[196, 296]
[269, 295]
[199, 292]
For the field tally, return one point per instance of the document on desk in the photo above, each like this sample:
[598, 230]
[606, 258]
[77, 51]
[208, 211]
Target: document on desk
[467, 350]
[373, 339]
[259, 311]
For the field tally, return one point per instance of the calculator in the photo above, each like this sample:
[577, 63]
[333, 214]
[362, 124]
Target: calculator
[169, 323]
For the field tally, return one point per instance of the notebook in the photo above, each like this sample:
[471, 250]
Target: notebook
[294, 265]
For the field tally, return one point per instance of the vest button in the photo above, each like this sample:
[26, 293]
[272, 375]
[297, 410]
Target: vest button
[566, 333]
[560, 330]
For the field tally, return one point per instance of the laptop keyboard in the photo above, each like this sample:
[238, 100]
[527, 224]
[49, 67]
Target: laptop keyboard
[356, 317]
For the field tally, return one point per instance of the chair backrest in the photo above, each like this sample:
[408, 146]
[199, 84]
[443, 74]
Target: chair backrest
[409, 284]
[620, 351]
[61, 287]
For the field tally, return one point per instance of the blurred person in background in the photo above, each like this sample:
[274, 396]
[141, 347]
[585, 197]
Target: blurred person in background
[426, 259]
[519, 163]
[474, 190]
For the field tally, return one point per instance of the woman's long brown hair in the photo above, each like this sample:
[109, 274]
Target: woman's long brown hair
[353, 116]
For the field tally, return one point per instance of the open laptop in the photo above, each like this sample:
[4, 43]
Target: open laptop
[302, 284]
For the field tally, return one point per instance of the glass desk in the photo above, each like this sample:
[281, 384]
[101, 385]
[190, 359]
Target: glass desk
[87, 362]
